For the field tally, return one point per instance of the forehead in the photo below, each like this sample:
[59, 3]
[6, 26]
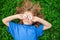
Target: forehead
[28, 13]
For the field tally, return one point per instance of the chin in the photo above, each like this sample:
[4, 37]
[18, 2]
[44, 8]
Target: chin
[28, 23]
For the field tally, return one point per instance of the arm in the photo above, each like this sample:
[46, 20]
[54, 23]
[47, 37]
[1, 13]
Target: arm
[10, 18]
[46, 24]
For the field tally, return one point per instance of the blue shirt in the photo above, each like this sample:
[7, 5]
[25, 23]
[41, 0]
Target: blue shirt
[25, 32]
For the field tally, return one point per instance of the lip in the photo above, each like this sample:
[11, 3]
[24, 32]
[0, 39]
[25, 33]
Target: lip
[27, 21]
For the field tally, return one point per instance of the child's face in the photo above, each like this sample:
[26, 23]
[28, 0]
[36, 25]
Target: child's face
[27, 16]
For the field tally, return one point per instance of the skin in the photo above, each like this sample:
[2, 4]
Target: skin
[28, 19]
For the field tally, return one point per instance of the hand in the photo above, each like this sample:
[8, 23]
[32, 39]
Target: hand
[20, 16]
[35, 19]
[27, 16]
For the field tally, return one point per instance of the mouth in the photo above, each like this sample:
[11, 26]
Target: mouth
[29, 22]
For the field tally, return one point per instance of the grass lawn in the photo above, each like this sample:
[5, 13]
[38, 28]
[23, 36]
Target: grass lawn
[50, 9]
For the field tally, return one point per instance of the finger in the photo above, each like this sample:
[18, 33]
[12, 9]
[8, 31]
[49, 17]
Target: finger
[24, 16]
[30, 17]
[20, 16]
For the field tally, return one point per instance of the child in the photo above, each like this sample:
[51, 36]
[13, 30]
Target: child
[33, 23]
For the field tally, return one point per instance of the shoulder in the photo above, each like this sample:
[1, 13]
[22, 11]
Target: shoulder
[40, 30]
[12, 24]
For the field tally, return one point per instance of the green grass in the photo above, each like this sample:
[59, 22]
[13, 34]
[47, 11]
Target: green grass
[50, 9]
